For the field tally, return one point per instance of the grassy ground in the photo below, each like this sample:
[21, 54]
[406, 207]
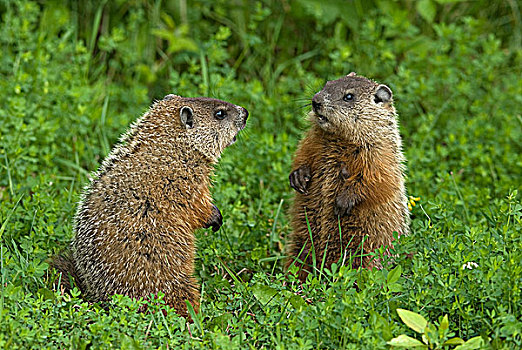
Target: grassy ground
[75, 74]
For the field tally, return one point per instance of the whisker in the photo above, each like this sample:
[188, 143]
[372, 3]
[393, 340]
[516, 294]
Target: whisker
[299, 108]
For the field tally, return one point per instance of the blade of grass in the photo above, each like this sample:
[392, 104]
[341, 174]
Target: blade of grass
[346, 249]
[9, 178]
[4, 224]
[94, 32]
[166, 323]
[324, 258]
[193, 315]
[460, 197]
[103, 134]
[2, 271]
[69, 196]
[296, 259]
[72, 165]
[340, 234]
[237, 279]
[245, 292]
[314, 261]
[204, 72]
[281, 67]
[272, 234]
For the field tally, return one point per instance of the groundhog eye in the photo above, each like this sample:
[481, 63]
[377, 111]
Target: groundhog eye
[221, 114]
[348, 97]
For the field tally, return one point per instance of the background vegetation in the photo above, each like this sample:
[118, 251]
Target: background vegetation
[74, 74]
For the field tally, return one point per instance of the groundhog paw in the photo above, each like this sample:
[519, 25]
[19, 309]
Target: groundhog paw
[216, 219]
[343, 206]
[300, 179]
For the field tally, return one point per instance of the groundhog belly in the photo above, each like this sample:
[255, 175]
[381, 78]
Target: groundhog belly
[311, 208]
[378, 224]
[145, 246]
[368, 226]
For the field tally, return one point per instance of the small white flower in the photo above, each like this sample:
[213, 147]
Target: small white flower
[470, 265]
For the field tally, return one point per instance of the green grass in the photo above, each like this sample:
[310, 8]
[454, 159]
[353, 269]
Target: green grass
[76, 74]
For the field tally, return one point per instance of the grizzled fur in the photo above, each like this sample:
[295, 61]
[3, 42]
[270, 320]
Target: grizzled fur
[348, 173]
[136, 220]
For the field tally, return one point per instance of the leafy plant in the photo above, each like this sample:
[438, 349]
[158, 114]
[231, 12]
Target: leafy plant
[432, 337]
[75, 74]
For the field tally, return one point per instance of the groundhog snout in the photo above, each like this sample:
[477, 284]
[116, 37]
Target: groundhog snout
[244, 113]
[316, 105]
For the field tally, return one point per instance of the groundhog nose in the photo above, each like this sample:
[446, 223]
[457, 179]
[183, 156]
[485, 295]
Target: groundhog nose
[245, 113]
[316, 106]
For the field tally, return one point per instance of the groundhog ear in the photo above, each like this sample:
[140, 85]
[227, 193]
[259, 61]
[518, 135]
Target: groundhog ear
[186, 117]
[170, 97]
[352, 74]
[383, 94]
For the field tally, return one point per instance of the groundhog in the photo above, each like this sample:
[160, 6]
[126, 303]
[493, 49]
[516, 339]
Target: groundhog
[348, 173]
[134, 227]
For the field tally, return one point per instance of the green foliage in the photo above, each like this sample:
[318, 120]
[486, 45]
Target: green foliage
[75, 74]
[432, 337]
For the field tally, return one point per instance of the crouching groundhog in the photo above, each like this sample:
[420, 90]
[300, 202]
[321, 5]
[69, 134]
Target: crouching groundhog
[134, 228]
[348, 175]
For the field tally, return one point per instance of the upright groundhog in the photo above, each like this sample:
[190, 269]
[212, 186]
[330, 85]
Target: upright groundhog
[348, 174]
[136, 220]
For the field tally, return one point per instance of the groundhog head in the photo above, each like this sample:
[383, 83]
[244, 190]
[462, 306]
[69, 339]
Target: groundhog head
[354, 107]
[209, 125]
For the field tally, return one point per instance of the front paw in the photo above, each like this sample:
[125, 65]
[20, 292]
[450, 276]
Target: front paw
[300, 179]
[343, 206]
[216, 219]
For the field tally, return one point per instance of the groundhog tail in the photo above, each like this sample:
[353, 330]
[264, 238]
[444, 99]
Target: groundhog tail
[66, 276]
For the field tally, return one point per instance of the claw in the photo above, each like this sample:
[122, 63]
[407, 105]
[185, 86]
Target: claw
[300, 179]
[216, 219]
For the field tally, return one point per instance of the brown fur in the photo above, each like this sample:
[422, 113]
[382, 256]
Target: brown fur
[353, 177]
[135, 223]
